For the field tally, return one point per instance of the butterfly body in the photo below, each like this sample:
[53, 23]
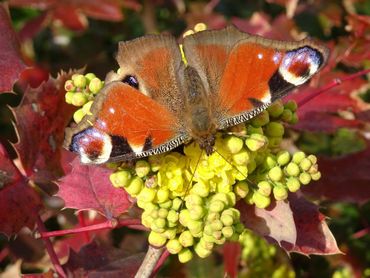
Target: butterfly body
[155, 102]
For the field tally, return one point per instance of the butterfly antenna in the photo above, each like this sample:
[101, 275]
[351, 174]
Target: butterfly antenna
[190, 181]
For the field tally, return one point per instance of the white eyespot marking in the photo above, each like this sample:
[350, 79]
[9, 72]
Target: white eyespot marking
[300, 64]
[94, 146]
[267, 97]
[112, 110]
[260, 56]
[276, 58]
[136, 148]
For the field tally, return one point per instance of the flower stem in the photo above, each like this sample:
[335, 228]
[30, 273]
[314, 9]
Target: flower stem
[49, 248]
[149, 263]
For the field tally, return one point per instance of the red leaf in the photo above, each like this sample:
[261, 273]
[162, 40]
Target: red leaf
[89, 187]
[41, 119]
[296, 224]
[11, 64]
[313, 234]
[70, 17]
[275, 223]
[19, 203]
[100, 261]
[343, 179]
[231, 252]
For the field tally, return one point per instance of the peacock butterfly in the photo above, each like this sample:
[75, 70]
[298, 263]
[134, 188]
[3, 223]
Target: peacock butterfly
[156, 102]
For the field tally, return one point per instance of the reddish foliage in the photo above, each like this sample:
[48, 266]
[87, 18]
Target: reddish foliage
[19, 203]
[10, 63]
[95, 260]
[71, 13]
[41, 118]
[296, 225]
[343, 179]
[89, 187]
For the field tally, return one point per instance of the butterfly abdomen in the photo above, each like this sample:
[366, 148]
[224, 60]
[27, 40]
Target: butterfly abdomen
[199, 120]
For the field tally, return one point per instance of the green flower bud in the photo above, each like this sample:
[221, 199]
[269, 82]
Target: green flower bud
[196, 212]
[291, 105]
[231, 198]
[163, 195]
[154, 213]
[176, 204]
[239, 228]
[186, 239]
[227, 220]
[79, 99]
[249, 198]
[294, 119]
[270, 161]
[261, 119]
[86, 107]
[172, 216]
[293, 184]
[206, 244]
[213, 216]
[147, 194]
[200, 189]
[95, 85]
[68, 86]
[280, 192]
[305, 164]
[264, 188]
[227, 231]
[170, 233]
[287, 115]
[156, 239]
[174, 246]
[121, 178]
[217, 235]
[256, 142]
[184, 217]
[142, 168]
[201, 251]
[274, 129]
[260, 200]
[166, 204]
[275, 174]
[292, 169]
[241, 157]
[208, 229]
[251, 166]
[78, 115]
[216, 206]
[241, 189]
[208, 238]
[305, 178]
[194, 226]
[254, 130]
[274, 142]
[217, 225]
[185, 255]
[159, 223]
[162, 213]
[298, 157]
[312, 158]
[135, 186]
[283, 158]
[276, 109]
[146, 221]
[89, 76]
[234, 144]
[193, 200]
[316, 176]
[79, 81]
[69, 97]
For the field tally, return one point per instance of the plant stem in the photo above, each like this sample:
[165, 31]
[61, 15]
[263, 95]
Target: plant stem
[49, 248]
[336, 82]
[150, 261]
[160, 262]
[81, 220]
[96, 227]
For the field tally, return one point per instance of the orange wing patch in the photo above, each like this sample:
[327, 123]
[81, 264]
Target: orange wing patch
[249, 68]
[135, 117]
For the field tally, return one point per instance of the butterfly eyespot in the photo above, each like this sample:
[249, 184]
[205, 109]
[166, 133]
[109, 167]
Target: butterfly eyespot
[131, 80]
